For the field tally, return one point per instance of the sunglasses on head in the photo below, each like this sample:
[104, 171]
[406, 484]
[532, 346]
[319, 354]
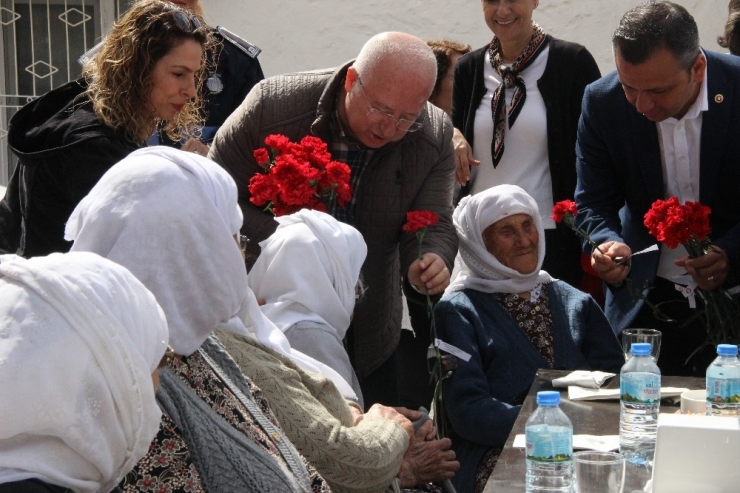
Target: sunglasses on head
[186, 22]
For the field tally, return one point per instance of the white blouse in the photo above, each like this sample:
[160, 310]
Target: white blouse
[525, 160]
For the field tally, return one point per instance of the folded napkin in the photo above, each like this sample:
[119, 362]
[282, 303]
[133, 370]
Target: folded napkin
[581, 394]
[582, 378]
[600, 443]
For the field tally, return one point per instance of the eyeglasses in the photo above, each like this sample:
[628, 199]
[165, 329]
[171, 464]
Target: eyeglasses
[243, 243]
[400, 123]
[360, 290]
[169, 355]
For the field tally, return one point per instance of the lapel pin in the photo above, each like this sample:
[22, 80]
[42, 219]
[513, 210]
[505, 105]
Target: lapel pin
[719, 98]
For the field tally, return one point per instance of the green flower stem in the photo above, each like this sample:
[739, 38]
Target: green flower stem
[721, 312]
[568, 220]
[439, 418]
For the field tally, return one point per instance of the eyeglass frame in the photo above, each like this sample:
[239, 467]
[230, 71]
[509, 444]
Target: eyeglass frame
[360, 289]
[413, 125]
[243, 243]
[167, 357]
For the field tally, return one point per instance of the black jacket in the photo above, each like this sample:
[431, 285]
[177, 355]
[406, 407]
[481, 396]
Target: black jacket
[63, 150]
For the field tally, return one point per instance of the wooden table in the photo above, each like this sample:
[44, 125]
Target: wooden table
[588, 418]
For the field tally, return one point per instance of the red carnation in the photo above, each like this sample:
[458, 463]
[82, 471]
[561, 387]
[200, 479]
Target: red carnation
[263, 189]
[344, 194]
[262, 157]
[279, 142]
[561, 210]
[334, 173]
[416, 220]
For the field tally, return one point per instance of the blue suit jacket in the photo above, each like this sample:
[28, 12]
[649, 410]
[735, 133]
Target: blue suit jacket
[620, 173]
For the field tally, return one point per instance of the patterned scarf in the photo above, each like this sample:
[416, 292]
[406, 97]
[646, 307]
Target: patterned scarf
[510, 77]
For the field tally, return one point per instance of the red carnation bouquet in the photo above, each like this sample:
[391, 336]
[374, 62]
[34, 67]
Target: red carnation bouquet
[298, 176]
[688, 225]
[418, 223]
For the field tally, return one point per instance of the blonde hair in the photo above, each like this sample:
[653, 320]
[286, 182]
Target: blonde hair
[119, 77]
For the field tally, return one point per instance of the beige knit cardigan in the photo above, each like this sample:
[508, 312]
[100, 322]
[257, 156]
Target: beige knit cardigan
[358, 459]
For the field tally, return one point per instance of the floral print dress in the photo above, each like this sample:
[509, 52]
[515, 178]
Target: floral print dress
[168, 468]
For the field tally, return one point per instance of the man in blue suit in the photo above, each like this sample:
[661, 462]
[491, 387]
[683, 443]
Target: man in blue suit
[666, 123]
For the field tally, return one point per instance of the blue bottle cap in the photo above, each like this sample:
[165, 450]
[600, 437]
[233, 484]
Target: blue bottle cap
[548, 398]
[727, 350]
[641, 348]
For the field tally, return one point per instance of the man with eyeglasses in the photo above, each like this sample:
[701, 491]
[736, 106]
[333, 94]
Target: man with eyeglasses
[374, 115]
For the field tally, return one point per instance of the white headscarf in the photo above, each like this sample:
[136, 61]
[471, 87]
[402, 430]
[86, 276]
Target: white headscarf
[170, 216]
[308, 270]
[79, 339]
[481, 270]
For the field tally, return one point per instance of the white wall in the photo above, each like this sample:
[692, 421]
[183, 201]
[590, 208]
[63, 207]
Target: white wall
[310, 34]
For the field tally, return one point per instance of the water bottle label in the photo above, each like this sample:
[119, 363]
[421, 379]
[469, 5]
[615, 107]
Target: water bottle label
[723, 390]
[546, 443]
[640, 387]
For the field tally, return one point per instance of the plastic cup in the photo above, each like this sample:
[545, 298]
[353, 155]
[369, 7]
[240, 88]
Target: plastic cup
[694, 402]
[630, 336]
[598, 472]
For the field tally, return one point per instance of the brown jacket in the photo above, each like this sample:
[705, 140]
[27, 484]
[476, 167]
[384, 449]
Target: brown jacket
[414, 173]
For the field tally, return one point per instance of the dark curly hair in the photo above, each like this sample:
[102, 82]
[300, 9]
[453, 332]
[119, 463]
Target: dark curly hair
[731, 38]
[119, 76]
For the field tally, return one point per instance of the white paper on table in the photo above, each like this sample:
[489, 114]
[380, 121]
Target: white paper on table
[582, 378]
[581, 394]
[600, 443]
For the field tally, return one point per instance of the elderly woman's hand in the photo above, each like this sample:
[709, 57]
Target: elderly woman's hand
[427, 461]
[463, 158]
[380, 411]
[602, 260]
[429, 275]
[196, 146]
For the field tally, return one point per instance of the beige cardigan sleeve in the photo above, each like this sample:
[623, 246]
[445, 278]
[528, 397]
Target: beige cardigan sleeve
[313, 414]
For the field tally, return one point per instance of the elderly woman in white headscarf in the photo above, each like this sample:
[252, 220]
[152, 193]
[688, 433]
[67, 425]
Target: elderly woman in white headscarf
[80, 342]
[512, 318]
[307, 273]
[172, 218]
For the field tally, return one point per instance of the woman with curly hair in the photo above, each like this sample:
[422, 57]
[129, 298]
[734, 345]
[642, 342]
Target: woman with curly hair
[233, 69]
[147, 74]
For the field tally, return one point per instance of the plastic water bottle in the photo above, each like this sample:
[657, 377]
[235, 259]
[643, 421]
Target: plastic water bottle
[723, 383]
[549, 441]
[639, 391]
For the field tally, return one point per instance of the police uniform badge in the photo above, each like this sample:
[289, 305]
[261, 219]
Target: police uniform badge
[214, 84]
